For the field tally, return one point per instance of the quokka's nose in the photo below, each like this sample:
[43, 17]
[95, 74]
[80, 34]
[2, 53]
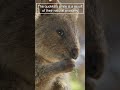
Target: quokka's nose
[74, 53]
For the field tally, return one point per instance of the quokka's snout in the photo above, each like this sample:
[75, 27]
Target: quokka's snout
[74, 53]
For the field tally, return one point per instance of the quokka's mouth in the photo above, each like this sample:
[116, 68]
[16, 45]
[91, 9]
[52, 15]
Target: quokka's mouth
[73, 60]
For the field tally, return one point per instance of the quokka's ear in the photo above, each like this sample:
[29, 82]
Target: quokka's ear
[49, 2]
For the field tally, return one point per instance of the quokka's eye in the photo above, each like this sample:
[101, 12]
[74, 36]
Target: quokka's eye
[60, 32]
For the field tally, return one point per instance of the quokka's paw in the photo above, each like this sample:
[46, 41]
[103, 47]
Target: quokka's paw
[68, 65]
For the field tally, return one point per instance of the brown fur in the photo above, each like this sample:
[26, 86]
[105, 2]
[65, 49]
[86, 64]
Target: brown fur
[53, 52]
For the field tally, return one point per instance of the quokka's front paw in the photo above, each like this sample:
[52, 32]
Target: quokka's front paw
[68, 65]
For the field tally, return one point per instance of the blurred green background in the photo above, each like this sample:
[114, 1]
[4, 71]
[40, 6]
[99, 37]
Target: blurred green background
[77, 80]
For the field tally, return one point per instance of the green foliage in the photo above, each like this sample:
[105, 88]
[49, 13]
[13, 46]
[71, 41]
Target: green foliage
[75, 82]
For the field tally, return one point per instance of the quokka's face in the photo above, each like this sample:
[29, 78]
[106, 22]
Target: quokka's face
[56, 37]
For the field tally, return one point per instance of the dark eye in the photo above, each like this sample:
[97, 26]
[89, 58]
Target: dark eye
[60, 32]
